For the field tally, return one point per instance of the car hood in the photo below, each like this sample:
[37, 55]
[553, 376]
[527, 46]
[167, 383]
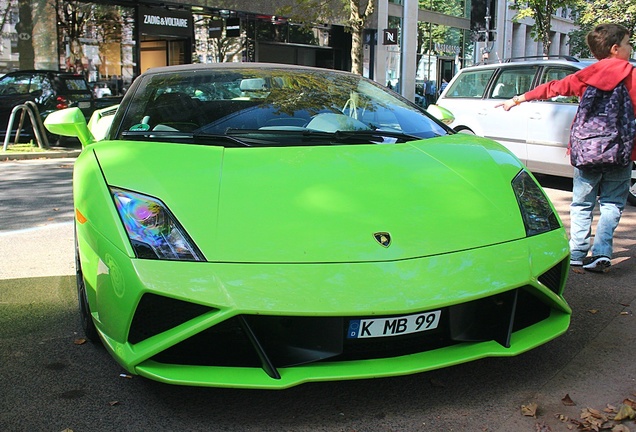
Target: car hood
[327, 203]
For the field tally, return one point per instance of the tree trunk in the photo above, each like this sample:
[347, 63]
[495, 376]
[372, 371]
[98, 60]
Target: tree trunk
[25, 35]
[356, 51]
[359, 13]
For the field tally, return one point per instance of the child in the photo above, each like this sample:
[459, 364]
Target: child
[610, 44]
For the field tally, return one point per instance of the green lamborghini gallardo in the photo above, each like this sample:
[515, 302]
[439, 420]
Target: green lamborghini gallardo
[261, 226]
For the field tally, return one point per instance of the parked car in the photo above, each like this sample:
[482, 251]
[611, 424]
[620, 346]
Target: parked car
[50, 90]
[536, 132]
[309, 225]
[101, 89]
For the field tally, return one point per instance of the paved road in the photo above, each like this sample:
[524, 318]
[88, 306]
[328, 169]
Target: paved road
[48, 383]
[35, 193]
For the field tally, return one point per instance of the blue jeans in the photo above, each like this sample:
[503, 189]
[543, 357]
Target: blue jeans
[611, 186]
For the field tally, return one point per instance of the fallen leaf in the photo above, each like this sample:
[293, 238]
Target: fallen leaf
[593, 311]
[630, 402]
[578, 270]
[591, 412]
[567, 401]
[624, 313]
[620, 428]
[592, 419]
[625, 412]
[529, 410]
[610, 409]
[113, 403]
[125, 376]
[79, 341]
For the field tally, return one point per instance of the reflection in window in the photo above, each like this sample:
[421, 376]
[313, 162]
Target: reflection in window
[471, 85]
[97, 40]
[513, 81]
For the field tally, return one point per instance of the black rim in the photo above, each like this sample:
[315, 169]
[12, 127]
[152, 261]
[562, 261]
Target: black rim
[84, 308]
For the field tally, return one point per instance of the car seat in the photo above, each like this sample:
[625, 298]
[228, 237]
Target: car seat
[175, 110]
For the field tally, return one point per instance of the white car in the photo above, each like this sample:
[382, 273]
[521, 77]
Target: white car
[537, 132]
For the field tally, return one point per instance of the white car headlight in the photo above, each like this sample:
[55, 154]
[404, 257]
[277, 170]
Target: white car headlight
[153, 231]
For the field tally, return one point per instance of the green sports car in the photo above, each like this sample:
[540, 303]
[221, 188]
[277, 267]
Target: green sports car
[261, 226]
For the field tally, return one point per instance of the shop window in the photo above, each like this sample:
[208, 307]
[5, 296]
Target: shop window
[97, 41]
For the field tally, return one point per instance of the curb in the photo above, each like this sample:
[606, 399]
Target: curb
[49, 154]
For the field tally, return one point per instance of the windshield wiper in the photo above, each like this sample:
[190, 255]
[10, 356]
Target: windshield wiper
[193, 137]
[375, 136]
[399, 136]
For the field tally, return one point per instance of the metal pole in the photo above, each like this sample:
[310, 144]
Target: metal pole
[36, 123]
[408, 54]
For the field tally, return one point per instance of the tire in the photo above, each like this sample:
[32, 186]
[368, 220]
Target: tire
[86, 319]
[465, 131]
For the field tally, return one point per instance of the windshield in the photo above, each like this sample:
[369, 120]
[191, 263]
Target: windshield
[208, 103]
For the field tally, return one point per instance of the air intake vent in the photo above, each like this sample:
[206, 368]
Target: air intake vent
[156, 314]
[553, 278]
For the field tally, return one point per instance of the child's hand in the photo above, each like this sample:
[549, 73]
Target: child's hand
[507, 104]
[511, 102]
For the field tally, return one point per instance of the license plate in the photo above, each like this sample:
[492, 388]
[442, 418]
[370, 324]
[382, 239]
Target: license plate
[394, 326]
[84, 104]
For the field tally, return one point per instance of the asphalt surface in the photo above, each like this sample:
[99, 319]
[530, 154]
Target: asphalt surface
[50, 381]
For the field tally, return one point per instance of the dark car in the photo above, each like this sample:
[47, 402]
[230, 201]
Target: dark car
[50, 90]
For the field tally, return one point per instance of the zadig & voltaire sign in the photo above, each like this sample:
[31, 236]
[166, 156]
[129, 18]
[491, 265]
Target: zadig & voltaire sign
[164, 22]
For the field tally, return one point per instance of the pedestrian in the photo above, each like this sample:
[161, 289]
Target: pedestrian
[430, 92]
[444, 84]
[610, 44]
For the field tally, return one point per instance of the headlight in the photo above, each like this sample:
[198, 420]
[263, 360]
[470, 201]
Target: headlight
[153, 231]
[536, 211]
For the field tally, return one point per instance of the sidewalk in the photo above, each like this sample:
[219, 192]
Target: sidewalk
[50, 153]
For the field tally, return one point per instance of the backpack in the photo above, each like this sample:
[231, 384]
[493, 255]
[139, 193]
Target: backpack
[603, 129]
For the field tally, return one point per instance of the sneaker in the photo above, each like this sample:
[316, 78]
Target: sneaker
[599, 264]
[576, 262]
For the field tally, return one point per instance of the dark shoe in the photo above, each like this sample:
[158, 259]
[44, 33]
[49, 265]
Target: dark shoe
[599, 264]
[576, 262]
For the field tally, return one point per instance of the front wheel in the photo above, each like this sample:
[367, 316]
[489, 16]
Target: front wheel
[86, 318]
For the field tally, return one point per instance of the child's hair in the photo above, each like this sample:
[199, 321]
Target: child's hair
[604, 37]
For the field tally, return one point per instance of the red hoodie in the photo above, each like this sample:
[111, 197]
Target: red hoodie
[605, 75]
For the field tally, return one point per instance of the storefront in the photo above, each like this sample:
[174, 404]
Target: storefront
[165, 36]
[443, 45]
[113, 42]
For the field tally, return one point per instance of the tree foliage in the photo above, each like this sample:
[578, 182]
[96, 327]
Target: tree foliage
[594, 12]
[541, 11]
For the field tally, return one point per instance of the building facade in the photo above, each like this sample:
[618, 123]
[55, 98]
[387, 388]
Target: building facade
[112, 42]
[411, 45]
[438, 38]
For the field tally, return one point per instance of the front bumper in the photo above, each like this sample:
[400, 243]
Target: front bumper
[279, 325]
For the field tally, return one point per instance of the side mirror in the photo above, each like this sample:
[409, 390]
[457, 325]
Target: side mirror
[69, 122]
[441, 114]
